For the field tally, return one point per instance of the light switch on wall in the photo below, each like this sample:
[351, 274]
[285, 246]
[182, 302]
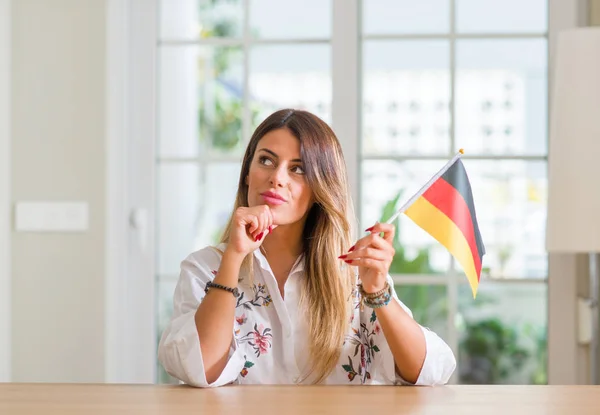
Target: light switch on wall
[51, 217]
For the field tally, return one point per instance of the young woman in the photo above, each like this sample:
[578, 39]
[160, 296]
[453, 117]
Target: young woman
[288, 296]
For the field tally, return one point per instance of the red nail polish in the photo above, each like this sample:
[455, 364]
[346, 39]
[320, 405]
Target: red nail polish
[352, 249]
[370, 229]
[342, 256]
[348, 261]
[258, 237]
[270, 228]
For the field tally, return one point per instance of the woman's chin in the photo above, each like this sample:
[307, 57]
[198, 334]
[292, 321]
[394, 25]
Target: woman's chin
[276, 218]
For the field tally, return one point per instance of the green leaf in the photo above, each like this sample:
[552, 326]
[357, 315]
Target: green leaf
[348, 368]
[248, 364]
[350, 364]
[375, 348]
[373, 317]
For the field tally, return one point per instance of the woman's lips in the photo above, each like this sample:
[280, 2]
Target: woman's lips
[270, 200]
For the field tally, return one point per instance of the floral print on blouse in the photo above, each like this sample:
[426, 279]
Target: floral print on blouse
[270, 334]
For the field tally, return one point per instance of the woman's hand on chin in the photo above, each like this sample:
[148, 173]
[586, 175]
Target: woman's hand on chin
[249, 227]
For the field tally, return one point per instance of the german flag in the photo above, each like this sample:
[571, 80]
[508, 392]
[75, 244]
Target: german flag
[446, 211]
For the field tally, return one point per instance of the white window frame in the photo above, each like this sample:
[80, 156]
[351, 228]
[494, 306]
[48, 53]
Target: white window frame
[130, 332]
[130, 341]
[5, 190]
[346, 86]
[117, 15]
[566, 359]
[454, 277]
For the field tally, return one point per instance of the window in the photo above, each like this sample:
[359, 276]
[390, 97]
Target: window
[441, 75]
[435, 76]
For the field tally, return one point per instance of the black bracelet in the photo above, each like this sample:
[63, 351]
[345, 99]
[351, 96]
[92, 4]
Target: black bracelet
[233, 291]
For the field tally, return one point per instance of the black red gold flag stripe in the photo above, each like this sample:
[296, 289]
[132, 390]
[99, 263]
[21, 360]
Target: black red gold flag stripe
[446, 211]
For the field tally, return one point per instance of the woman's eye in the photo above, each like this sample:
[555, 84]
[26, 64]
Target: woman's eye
[298, 170]
[265, 161]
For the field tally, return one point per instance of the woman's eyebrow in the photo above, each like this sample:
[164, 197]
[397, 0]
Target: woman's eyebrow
[276, 156]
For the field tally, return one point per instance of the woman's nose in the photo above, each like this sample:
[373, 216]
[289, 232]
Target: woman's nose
[279, 178]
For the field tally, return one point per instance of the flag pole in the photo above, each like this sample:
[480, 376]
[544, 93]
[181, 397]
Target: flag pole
[426, 186]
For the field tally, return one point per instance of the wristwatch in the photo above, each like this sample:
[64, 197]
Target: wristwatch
[233, 291]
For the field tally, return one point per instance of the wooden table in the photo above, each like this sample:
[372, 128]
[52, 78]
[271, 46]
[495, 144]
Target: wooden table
[66, 399]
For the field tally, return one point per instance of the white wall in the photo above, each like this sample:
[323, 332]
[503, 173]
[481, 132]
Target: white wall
[567, 273]
[4, 190]
[58, 153]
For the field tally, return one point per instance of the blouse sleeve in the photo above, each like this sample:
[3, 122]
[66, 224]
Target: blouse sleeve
[439, 362]
[179, 347]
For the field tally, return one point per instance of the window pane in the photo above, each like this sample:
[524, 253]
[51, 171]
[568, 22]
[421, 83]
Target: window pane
[501, 16]
[510, 200]
[503, 333]
[296, 76]
[387, 185]
[194, 204]
[406, 16]
[290, 19]
[429, 305]
[406, 97]
[189, 19]
[164, 309]
[200, 103]
[501, 96]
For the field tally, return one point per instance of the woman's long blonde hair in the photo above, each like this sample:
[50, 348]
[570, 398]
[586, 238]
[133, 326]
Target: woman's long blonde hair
[327, 234]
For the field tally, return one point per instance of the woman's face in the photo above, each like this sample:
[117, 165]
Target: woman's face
[276, 178]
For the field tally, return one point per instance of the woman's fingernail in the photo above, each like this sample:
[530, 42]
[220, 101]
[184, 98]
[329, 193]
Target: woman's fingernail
[270, 228]
[258, 237]
[352, 249]
[370, 229]
[342, 256]
[348, 261]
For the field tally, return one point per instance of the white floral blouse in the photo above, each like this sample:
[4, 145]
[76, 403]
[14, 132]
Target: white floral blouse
[270, 343]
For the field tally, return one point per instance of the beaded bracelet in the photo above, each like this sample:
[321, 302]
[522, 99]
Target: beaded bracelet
[211, 284]
[378, 299]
